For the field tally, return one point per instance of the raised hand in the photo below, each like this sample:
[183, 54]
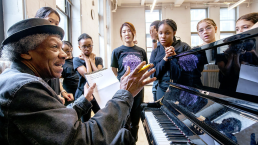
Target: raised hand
[92, 57]
[82, 56]
[134, 82]
[153, 33]
[170, 51]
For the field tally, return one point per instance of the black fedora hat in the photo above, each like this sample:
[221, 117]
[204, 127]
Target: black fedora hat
[31, 26]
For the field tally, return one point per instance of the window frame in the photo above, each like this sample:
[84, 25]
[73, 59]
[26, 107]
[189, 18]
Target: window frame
[148, 35]
[206, 16]
[67, 13]
[2, 37]
[225, 32]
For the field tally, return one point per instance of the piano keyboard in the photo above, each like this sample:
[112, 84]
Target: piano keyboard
[163, 130]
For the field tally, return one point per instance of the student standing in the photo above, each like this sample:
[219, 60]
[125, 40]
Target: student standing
[155, 40]
[71, 78]
[87, 62]
[166, 69]
[129, 55]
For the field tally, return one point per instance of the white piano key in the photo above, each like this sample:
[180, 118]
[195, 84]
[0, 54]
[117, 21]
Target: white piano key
[156, 130]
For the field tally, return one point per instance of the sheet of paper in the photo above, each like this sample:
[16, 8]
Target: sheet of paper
[106, 85]
[248, 80]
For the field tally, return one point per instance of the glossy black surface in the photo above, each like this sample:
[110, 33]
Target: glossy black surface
[200, 113]
[226, 58]
[223, 108]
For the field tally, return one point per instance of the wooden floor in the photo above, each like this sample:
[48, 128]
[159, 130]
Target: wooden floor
[148, 97]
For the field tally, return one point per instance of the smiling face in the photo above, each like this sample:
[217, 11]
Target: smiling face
[243, 25]
[48, 58]
[53, 19]
[166, 35]
[86, 45]
[207, 32]
[127, 35]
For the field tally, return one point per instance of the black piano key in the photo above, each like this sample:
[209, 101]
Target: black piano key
[178, 138]
[168, 125]
[165, 122]
[167, 128]
[173, 132]
[183, 143]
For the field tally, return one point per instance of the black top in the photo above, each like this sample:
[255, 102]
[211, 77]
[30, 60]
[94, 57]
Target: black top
[70, 76]
[77, 62]
[191, 67]
[124, 56]
[55, 85]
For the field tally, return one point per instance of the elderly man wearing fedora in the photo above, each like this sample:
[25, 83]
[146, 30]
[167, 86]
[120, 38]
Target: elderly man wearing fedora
[31, 112]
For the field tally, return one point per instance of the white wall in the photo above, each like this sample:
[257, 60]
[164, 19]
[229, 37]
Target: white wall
[254, 6]
[76, 25]
[136, 16]
[214, 13]
[88, 25]
[32, 6]
[242, 10]
[12, 13]
[181, 15]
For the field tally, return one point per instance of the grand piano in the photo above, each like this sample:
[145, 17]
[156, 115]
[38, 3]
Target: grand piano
[206, 115]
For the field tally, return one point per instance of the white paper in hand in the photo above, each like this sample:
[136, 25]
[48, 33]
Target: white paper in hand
[106, 85]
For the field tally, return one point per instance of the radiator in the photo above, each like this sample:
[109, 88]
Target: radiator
[210, 79]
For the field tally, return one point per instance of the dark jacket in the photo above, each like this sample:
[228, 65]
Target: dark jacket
[31, 113]
[166, 70]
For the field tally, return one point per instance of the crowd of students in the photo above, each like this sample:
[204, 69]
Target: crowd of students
[123, 111]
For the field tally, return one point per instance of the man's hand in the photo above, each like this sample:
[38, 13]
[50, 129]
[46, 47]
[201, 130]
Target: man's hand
[68, 96]
[134, 82]
[153, 33]
[88, 91]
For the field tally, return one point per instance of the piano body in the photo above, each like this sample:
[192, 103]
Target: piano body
[204, 115]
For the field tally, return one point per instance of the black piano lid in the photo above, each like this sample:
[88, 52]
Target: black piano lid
[235, 39]
[222, 42]
[225, 124]
[231, 102]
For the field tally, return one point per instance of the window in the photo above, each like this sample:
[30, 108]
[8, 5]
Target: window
[64, 10]
[1, 22]
[149, 18]
[227, 22]
[196, 16]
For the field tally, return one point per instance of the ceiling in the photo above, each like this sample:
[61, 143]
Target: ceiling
[177, 3]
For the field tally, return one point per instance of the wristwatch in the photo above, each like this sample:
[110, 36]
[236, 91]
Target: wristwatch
[154, 41]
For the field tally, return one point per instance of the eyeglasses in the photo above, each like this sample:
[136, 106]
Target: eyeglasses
[207, 29]
[89, 46]
[68, 51]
